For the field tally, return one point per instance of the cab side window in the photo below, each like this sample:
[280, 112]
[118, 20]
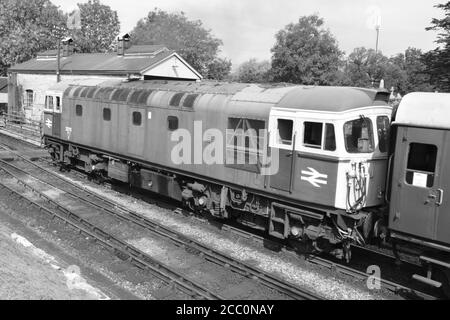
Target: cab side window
[421, 166]
[58, 103]
[312, 135]
[285, 131]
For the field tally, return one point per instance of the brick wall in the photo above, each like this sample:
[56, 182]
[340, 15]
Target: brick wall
[40, 83]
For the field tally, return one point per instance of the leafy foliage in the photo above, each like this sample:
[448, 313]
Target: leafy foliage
[219, 69]
[306, 53]
[254, 71]
[188, 38]
[438, 60]
[99, 28]
[27, 27]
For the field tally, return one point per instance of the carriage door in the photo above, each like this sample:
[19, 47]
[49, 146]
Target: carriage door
[57, 116]
[136, 131]
[284, 140]
[416, 193]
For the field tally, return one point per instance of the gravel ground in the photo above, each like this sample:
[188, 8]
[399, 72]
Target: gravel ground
[27, 272]
[328, 286]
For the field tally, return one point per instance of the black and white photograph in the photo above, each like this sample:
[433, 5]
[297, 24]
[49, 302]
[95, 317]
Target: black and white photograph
[225, 158]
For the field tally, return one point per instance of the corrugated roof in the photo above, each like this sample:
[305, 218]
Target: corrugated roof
[145, 49]
[3, 85]
[93, 63]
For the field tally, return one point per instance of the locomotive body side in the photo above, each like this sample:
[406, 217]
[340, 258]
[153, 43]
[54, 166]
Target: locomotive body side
[323, 138]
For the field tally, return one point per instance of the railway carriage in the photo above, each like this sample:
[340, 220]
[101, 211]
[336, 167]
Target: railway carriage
[328, 146]
[419, 210]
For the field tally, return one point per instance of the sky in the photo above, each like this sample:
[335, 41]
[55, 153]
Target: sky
[248, 27]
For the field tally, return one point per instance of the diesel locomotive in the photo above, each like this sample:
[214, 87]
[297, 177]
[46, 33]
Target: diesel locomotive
[325, 165]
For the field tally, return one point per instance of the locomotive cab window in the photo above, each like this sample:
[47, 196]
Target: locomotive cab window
[312, 135]
[358, 135]
[57, 104]
[421, 166]
[137, 118]
[284, 128]
[49, 103]
[383, 128]
[79, 110]
[107, 114]
[330, 137]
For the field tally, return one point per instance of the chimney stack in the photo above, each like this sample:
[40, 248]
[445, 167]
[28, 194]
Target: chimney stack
[67, 46]
[123, 43]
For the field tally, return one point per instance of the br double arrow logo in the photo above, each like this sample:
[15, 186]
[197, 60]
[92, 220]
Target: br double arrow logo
[314, 177]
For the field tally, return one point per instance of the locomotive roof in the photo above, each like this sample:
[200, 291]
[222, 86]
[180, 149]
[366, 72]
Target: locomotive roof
[317, 98]
[420, 109]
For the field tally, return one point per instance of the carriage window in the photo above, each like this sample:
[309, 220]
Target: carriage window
[58, 104]
[358, 135]
[285, 131]
[421, 165]
[172, 123]
[137, 118]
[78, 110]
[383, 128]
[313, 135]
[107, 114]
[330, 138]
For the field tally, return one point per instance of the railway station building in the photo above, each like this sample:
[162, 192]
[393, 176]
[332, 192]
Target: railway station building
[3, 94]
[28, 81]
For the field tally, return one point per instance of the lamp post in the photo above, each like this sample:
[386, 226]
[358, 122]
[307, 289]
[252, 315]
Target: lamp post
[59, 32]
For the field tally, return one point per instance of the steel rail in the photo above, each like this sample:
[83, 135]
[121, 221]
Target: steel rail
[131, 253]
[208, 253]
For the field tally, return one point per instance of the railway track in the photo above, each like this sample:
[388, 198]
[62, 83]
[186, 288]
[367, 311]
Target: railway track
[124, 214]
[220, 259]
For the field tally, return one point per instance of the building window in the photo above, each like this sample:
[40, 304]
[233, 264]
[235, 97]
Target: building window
[79, 110]
[107, 114]
[137, 118]
[29, 98]
[285, 131]
[421, 166]
[312, 136]
[172, 123]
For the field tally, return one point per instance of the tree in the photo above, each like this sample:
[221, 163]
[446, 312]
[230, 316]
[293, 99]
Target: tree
[99, 28]
[412, 62]
[254, 71]
[27, 27]
[438, 60]
[219, 69]
[189, 38]
[306, 53]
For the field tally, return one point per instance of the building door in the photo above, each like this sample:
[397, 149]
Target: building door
[415, 184]
[284, 142]
[136, 131]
